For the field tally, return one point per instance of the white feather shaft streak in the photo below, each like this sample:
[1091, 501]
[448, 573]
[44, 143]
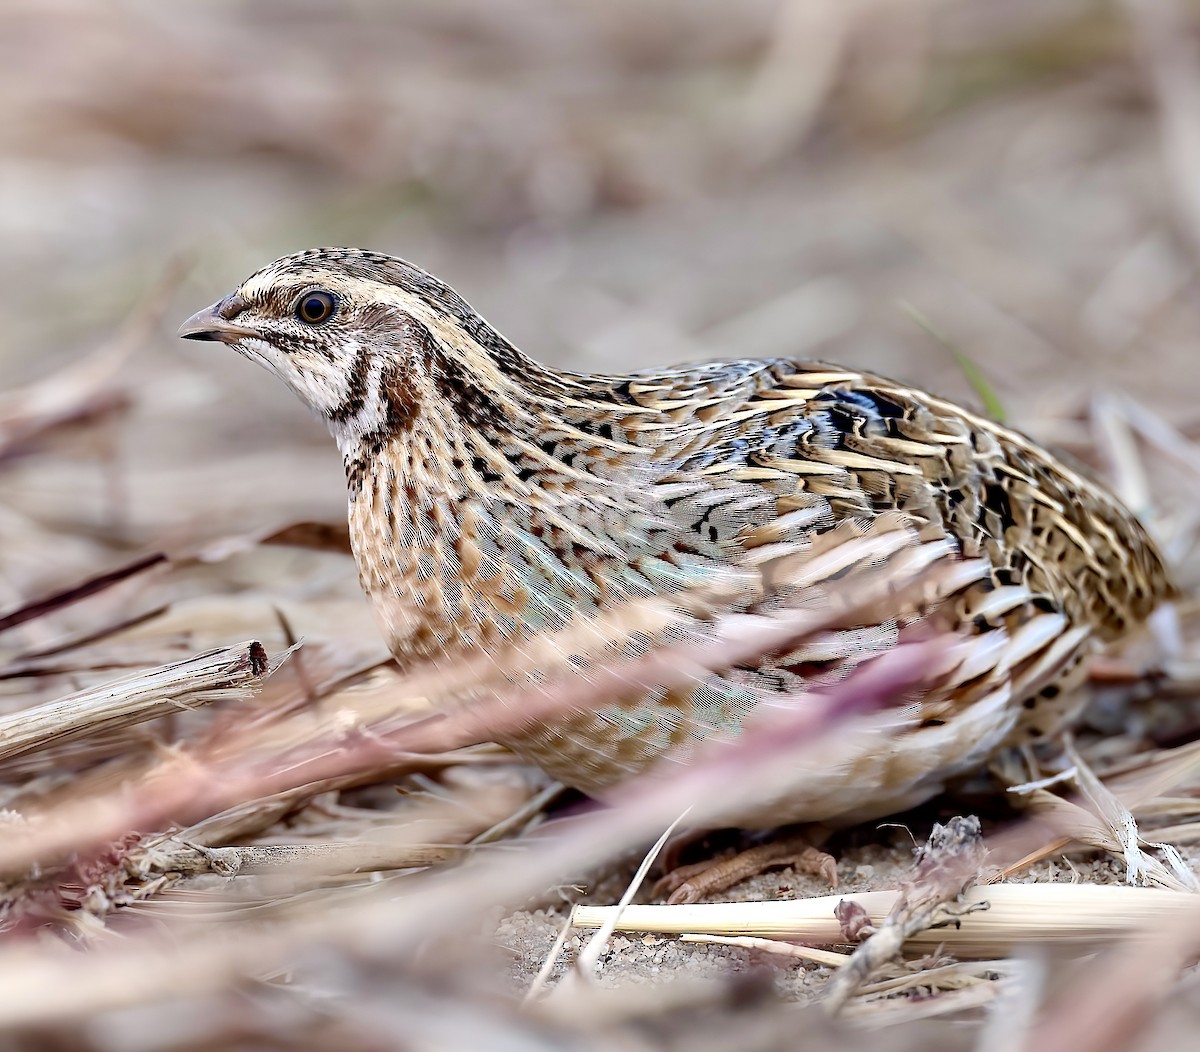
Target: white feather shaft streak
[1031, 638]
[133, 699]
[1000, 601]
[845, 555]
[1015, 914]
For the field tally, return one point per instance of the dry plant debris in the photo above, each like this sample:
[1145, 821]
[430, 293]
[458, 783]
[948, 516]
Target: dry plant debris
[944, 869]
[214, 854]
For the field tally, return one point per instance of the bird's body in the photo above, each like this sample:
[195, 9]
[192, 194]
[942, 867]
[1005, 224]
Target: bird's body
[493, 499]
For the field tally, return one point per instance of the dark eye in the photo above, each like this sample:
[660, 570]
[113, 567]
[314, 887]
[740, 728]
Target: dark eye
[315, 307]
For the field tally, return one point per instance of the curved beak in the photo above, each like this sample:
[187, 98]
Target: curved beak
[214, 323]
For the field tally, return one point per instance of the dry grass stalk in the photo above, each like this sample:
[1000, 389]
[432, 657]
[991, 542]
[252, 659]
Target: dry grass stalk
[1103, 816]
[1005, 916]
[889, 1013]
[303, 749]
[212, 676]
[309, 749]
[40, 607]
[815, 954]
[328, 857]
[214, 950]
[588, 959]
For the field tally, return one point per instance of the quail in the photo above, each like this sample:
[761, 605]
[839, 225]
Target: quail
[493, 500]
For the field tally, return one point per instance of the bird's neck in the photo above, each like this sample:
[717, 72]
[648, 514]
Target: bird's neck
[485, 421]
[481, 513]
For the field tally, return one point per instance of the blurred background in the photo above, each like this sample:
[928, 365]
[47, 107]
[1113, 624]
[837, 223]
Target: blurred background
[614, 184]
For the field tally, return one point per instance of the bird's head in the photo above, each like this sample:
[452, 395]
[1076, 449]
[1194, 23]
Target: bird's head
[351, 332]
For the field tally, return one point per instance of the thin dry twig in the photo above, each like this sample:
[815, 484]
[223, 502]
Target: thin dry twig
[52, 603]
[589, 956]
[815, 954]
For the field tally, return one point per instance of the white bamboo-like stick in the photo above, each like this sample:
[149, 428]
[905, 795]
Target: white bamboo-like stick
[132, 699]
[1015, 914]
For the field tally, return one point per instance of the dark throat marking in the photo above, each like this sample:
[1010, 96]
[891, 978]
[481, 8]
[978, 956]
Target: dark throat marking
[356, 389]
[400, 392]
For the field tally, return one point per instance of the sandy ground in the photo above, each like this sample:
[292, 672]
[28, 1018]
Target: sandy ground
[636, 958]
